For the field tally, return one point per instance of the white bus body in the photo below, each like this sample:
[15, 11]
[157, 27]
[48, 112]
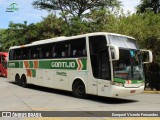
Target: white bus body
[103, 64]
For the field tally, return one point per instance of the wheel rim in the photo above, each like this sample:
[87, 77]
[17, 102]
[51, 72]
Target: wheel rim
[80, 90]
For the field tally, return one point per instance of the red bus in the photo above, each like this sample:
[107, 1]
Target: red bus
[3, 63]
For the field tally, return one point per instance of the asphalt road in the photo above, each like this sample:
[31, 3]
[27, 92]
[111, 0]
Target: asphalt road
[35, 98]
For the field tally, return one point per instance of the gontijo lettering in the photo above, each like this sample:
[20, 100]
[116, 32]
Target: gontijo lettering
[63, 64]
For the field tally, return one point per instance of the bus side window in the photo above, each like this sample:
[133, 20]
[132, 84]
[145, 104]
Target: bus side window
[41, 55]
[17, 54]
[46, 51]
[74, 52]
[14, 56]
[54, 54]
[84, 52]
[78, 47]
[47, 55]
[64, 54]
[61, 49]
[35, 52]
[35, 56]
[24, 54]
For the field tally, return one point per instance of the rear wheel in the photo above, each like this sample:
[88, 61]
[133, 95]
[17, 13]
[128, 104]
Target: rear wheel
[79, 89]
[24, 81]
[17, 80]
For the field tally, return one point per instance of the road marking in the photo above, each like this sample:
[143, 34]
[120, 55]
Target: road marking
[153, 92]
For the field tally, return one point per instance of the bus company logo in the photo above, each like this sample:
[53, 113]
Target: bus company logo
[73, 64]
[63, 64]
[12, 65]
[12, 8]
[80, 65]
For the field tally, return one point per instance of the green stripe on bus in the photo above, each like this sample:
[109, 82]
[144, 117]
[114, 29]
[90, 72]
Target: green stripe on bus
[21, 64]
[119, 80]
[71, 64]
[30, 64]
[13, 64]
[33, 72]
[45, 64]
[74, 64]
[84, 62]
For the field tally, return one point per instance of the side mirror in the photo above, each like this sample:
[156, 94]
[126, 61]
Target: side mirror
[114, 52]
[149, 56]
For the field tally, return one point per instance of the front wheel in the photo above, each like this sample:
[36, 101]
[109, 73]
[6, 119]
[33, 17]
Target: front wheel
[79, 89]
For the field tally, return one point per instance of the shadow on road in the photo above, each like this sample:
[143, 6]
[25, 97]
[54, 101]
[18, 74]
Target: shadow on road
[110, 100]
[107, 100]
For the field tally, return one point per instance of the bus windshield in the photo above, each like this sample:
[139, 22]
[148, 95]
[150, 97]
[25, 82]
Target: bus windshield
[129, 66]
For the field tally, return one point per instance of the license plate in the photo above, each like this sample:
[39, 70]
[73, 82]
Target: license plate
[132, 91]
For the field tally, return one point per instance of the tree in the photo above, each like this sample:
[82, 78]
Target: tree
[21, 33]
[145, 28]
[75, 8]
[69, 9]
[153, 5]
[14, 35]
[50, 26]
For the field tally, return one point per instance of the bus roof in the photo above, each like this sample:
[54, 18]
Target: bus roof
[57, 39]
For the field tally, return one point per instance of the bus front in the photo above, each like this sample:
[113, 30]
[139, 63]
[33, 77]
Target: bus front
[128, 77]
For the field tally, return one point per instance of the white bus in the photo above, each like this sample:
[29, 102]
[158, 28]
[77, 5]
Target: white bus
[102, 64]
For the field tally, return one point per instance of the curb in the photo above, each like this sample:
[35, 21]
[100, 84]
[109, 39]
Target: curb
[152, 92]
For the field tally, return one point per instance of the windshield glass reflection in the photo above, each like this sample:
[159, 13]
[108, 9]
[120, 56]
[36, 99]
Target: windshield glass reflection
[129, 66]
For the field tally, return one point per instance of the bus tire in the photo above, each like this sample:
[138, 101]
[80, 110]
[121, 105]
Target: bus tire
[17, 80]
[79, 89]
[24, 81]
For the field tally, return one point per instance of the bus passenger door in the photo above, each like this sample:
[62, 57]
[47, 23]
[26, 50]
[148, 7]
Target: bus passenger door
[100, 66]
[103, 73]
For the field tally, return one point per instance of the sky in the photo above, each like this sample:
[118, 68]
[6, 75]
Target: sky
[26, 12]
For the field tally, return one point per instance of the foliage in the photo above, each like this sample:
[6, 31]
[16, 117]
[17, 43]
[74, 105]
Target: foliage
[74, 10]
[19, 34]
[145, 28]
[152, 5]
[12, 36]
